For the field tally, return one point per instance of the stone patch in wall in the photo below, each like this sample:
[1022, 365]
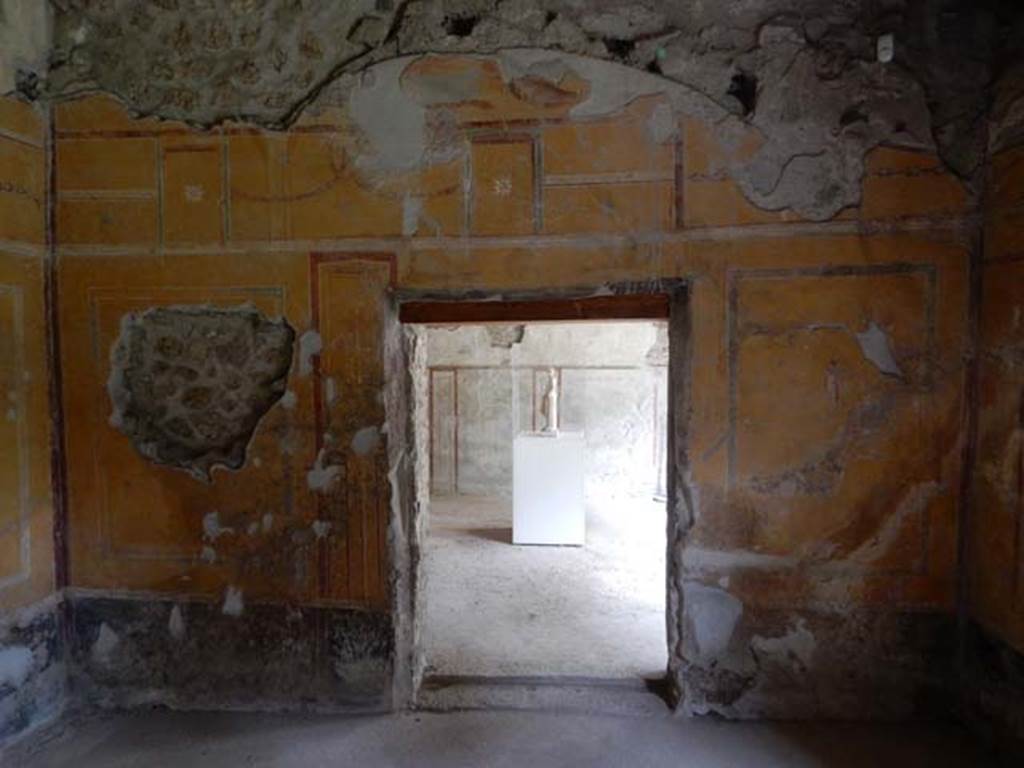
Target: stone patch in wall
[189, 384]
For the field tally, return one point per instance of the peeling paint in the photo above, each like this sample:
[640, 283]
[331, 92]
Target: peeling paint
[321, 477]
[713, 614]
[797, 646]
[107, 642]
[366, 440]
[188, 385]
[176, 624]
[233, 602]
[310, 345]
[15, 665]
[212, 529]
[874, 343]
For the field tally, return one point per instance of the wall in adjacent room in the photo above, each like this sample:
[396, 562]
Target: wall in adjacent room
[489, 383]
[31, 671]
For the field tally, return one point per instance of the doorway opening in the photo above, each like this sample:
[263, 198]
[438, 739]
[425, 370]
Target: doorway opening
[582, 598]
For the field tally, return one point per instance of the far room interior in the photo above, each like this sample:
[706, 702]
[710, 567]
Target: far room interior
[583, 594]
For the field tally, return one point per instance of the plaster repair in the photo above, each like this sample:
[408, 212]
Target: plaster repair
[188, 385]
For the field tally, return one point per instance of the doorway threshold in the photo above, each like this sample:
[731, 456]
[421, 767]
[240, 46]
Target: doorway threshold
[590, 695]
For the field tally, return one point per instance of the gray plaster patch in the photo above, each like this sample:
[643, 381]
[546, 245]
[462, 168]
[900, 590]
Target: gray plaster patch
[321, 477]
[25, 40]
[366, 440]
[233, 604]
[874, 343]
[310, 345]
[796, 647]
[189, 384]
[176, 624]
[15, 665]
[212, 529]
[712, 615]
[107, 642]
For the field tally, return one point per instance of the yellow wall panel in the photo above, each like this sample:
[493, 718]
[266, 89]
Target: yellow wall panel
[502, 187]
[140, 526]
[107, 221]
[609, 207]
[26, 513]
[22, 191]
[193, 195]
[109, 164]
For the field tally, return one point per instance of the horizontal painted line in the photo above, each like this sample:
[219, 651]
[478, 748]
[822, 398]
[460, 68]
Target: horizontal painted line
[96, 593]
[941, 226]
[623, 177]
[20, 248]
[107, 194]
[20, 138]
[84, 134]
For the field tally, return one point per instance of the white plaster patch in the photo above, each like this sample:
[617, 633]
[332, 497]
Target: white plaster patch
[310, 344]
[15, 665]
[797, 646]
[208, 555]
[176, 624]
[289, 400]
[267, 522]
[885, 48]
[366, 440]
[321, 477]
[712, 614]
[212, 529]
[874, 344]
[321, 528]
[411, 208]
[234, 605]
[330, 390]
[393, 124]
[106, 643]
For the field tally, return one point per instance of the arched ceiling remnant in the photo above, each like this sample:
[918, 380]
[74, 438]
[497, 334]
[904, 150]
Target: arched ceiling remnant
[803, 73]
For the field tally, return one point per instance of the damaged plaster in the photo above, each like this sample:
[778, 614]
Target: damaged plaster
[25, 40]
[188, 385]
[805, 75]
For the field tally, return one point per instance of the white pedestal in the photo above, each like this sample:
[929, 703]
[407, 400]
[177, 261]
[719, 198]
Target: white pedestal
[547, 489]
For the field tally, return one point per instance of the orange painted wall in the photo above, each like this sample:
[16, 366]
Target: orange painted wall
[997, 514]
[26, 512]
[820, 479]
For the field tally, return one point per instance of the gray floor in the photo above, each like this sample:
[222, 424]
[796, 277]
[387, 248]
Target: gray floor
[494, 609]
[494, 739]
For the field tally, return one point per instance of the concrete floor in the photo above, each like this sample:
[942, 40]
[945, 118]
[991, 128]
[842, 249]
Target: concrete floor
[158, 739]
[494, 609]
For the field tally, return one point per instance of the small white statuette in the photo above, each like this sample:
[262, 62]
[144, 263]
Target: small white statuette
[551, 403]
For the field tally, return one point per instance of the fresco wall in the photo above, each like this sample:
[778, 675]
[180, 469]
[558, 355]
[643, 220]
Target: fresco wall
[31, 672]
[826, 379]
[995, 637]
